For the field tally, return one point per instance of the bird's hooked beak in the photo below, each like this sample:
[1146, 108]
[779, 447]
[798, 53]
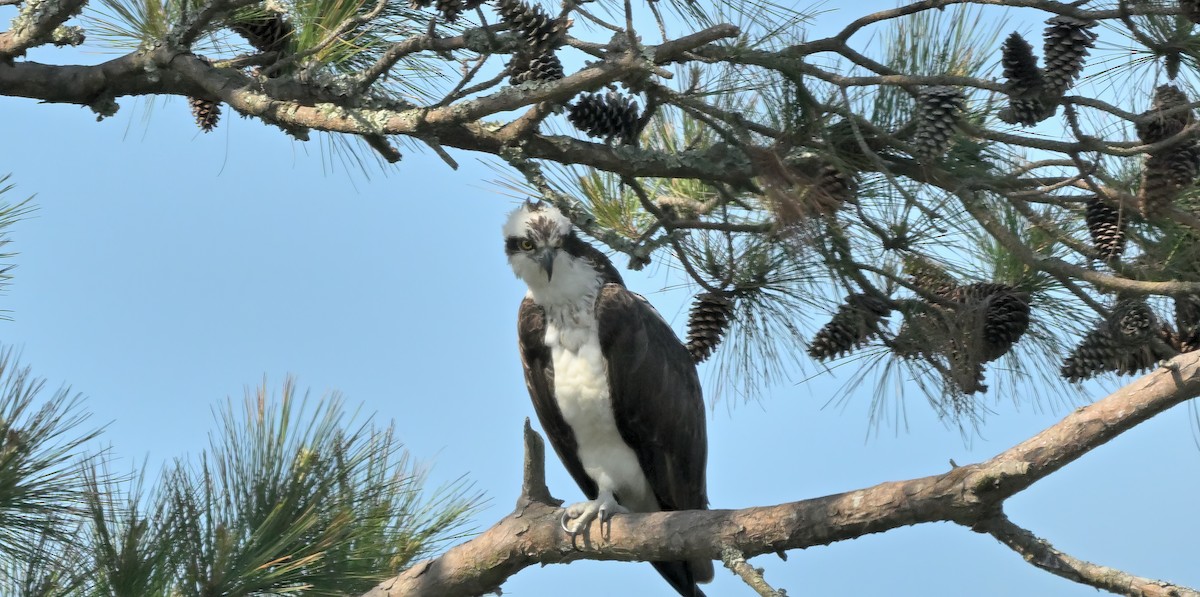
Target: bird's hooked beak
[545, 258]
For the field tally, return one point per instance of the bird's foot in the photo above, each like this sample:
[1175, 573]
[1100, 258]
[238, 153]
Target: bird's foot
[578, 517]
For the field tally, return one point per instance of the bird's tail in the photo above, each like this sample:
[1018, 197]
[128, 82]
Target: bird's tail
[683, 576]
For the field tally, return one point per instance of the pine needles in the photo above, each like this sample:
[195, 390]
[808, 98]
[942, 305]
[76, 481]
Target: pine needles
[294, 496]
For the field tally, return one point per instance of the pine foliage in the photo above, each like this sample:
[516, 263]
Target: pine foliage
[293, 497]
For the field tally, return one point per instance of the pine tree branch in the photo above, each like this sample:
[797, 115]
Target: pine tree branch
[1073, 9]
[1063, 269]
[35, 25]
[970, 495]
[1042, 554]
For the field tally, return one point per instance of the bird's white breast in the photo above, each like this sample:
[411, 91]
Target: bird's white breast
[581, 389]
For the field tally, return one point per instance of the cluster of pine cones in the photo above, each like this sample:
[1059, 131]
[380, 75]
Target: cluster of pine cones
[963, 326]
[1033, 93]
[611, 116]
[1132, 338]
[1128, 341]
[1169, 170]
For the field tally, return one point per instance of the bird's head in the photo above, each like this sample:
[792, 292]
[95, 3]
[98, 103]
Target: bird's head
[533, 240]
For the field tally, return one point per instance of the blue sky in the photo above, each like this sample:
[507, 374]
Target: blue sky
[166, 270]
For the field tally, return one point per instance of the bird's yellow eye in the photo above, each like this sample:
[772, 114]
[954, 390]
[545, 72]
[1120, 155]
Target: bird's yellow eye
[525, 244]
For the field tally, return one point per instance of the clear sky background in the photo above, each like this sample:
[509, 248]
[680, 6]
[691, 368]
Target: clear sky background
[166, 270]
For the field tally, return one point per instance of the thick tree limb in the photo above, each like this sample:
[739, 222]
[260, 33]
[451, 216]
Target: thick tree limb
[969, 495]
[287, 104]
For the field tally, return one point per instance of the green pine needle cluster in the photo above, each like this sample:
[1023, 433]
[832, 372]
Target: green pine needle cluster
[294, 497]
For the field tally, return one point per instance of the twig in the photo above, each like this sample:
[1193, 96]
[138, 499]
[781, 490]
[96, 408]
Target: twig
[466, 78]
[380, 144]
[1042, 554]
[441, 153]
[668, 224]
[735, 560]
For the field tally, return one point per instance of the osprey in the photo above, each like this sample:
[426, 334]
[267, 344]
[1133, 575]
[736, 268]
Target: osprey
[613, 387]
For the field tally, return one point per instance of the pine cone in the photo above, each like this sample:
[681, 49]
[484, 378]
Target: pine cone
[991, 317]
[707, 322]
[1157, 124]
[1190, 9]
[928, 277]
[1132, 322]
[1025, 112]
[1023, 83]
[1066, 44]
[835, 188]
[1123, 344]
[1187, 323]
[523, 68]
[207, 113]
[266, 33]
[1096, 354]
[1106, 225]
[855, 323]
[541, 32]
[1167, 174]
[1023, 78]
[449, 9]
[1006, 317]
[612, 116]
[939, 109]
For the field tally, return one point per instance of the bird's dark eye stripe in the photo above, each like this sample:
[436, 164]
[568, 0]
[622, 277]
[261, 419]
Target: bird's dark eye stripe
[515, 244]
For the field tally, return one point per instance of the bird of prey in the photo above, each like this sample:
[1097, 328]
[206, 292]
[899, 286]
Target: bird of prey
[613, 387]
